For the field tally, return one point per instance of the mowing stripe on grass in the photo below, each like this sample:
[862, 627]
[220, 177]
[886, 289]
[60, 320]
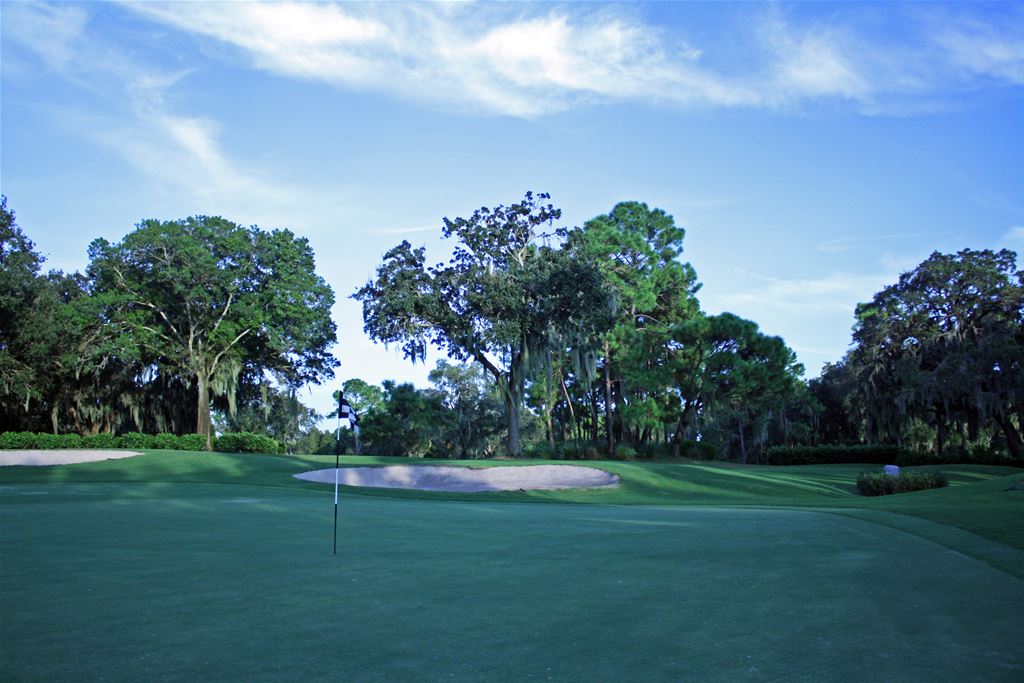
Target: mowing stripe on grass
[175, 581]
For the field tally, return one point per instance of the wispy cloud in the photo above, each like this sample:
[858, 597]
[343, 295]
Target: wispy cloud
[179, 152]
[532, 60]
[1014, 237]
[853, 243]
[835, 293]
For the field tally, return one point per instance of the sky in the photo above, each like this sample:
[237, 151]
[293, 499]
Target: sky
[812, 152]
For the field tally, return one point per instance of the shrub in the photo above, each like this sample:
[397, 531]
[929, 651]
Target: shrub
[625, 452]
[192, 442]
[17, 440]
[882, 484]
[101, 440]
[246, 442]
[134, 440]
[68, 441]
[164, 441]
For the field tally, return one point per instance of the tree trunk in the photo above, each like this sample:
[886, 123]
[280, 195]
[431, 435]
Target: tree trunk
[743, 442]
[512, 417]
[593, 415]
[608, 399]
[1013, 439]
[203, 407]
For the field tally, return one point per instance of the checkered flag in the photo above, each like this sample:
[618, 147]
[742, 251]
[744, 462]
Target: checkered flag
[347, 412]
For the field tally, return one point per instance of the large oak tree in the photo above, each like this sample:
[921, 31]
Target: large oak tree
[206, 299]
[503, 300]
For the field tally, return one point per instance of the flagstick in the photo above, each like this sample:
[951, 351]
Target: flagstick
[337, 471]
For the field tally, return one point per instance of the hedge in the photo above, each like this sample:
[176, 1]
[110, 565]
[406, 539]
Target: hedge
[881, 455]
[828, 455]
[131, 440]
[246, 442]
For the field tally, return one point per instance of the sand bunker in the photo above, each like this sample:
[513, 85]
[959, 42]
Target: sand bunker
[68, 457]
[467, 480]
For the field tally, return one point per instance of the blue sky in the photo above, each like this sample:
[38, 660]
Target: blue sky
[812, 152]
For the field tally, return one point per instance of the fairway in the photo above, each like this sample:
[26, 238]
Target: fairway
[167, 581]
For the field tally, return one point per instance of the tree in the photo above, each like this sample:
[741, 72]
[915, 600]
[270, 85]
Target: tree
[472, 411]
[637, 249]
[203, 298]
[407, 423]
[19, 285]
[945, 345]
[361, 395]
[503, 300]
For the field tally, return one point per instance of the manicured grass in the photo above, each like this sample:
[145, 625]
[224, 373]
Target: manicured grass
[977, 500]
[218, 567]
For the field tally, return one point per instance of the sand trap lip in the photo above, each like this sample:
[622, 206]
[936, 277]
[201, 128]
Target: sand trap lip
[59, 457]
[466, 479]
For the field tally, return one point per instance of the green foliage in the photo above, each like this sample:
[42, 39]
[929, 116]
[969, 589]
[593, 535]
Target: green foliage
[134, 440]
[625, 452]
[101, 440]
[164, 441]
[407, 423]
[945, 347]
[17, 440]
[213, 303]
[882, 484]
[192, 442]
[246, 442]
[362, 396]
[473, 423]
[266, 409]
[503, 300]
[829, 455]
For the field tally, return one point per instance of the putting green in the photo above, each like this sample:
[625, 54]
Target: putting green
[165, 581]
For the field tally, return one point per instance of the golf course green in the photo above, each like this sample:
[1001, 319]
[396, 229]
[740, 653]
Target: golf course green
[174, 565]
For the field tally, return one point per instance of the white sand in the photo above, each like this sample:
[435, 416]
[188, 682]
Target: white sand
[465, 479]
[61, 457]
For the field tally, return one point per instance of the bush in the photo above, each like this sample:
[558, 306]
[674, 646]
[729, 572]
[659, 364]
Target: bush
[68, 441]
[164, 441]
[134, 440]
[882, 484]
[17, 440]
[247, 442]
[192, 442]
[625, 452]
[101, 440]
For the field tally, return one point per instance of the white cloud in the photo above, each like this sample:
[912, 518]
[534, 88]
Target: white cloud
[986, 49]
[835, 293]
[182, 154]
[532, 60]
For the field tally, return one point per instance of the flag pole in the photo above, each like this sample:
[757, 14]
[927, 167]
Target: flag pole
[337, 471]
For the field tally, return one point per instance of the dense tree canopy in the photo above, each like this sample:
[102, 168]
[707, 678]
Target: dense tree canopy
[557, 337]
[945, 346]
[503, 299]
[205, 300]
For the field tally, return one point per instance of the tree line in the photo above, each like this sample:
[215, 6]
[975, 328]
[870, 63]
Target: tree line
[561, 341]
[178, 320]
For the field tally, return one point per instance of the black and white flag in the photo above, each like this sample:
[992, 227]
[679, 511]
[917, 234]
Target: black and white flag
[347, 412]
